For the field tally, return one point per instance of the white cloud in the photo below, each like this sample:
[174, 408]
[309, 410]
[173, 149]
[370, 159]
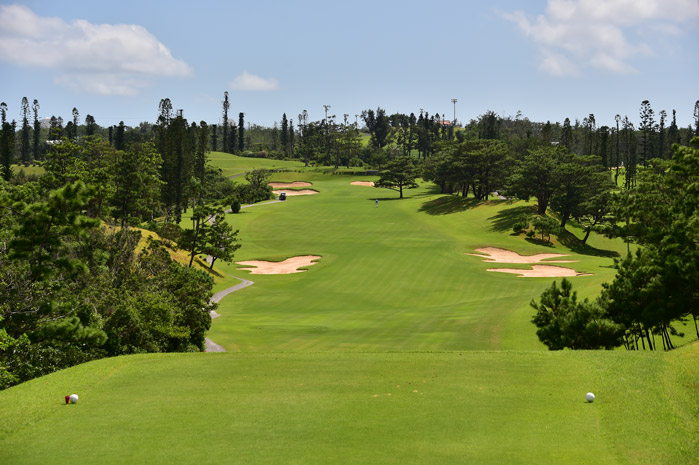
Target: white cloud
[576, 34]
[252, 82]
[557, 64]
[98, 58]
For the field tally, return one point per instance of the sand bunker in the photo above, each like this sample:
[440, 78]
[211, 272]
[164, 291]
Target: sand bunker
[541, 271]
[301, 192]
[288, 266]
[363, 183]
[286, 185]
[495, 255]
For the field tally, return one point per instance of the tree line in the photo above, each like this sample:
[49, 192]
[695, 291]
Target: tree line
[78, 281]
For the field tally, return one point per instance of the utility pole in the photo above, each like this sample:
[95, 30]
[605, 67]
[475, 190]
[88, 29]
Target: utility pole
[453, 122]
[327, 107]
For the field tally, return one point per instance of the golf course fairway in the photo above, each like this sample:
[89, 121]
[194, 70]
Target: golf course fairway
[396, 346]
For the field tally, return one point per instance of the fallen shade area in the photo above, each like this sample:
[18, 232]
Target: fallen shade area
[288, 266]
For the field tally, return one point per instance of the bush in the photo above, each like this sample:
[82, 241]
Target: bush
[545, 226]
[521, 224]
[235, 206]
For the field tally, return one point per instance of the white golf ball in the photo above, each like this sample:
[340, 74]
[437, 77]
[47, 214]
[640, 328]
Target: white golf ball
[590, 397]
[74, 398]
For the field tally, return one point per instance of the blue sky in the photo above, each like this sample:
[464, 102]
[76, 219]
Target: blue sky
[548, 59]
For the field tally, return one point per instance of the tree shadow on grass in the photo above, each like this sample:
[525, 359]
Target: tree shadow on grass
[506, 219]
[538, 241]
[449, 204]
[570, 240]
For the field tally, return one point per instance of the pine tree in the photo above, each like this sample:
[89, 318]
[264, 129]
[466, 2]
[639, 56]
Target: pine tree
[76, 122]
[24, 147]
[90, 125]
[119, 137]
[567, 135]
[673, 133]
[214, 137]
[241, 132]
[285, 135]
[202, 148]
[7, 143]
[647, 128]
[37, 130]
[226, 105]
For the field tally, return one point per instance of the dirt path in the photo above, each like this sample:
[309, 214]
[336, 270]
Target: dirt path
[211, 346]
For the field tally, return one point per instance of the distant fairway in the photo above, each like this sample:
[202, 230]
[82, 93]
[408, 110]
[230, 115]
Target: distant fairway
[234, 165]
[395, 277]
[368, 408]
[394, 348]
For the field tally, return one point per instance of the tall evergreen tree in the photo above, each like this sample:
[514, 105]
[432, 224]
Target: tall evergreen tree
[37, 130]
[76, 122]
[673, 133]
[202, 148]
[567, 135]
[488, 125]
[7, 143]
[214, 137]
[226, 105]
[647, 128]
[24, 147]
[663, 152]
[241, 131]
[119, 137]
[232, 137]
[285, 135]
[630, 156]
[90, 125]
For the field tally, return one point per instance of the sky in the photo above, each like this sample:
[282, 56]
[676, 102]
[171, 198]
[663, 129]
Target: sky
[548, 59]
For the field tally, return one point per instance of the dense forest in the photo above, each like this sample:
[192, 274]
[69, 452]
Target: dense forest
[80, 280]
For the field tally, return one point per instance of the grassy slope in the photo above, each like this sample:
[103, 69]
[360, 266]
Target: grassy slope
[233, 164]
[380, 408]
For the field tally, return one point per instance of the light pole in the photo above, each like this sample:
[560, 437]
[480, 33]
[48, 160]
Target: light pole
[327, 107]
[453, 123]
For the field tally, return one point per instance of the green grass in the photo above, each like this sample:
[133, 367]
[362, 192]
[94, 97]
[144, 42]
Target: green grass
[390, 278]
[394, 306]
[234, 165]
[378, 408]
[29, 170]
